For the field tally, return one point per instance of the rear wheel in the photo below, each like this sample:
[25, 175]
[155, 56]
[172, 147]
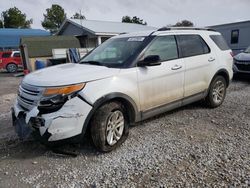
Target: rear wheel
[11, 67]
[217, 92]
[109, 126]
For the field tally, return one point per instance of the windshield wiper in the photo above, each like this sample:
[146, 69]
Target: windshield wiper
[92, 63]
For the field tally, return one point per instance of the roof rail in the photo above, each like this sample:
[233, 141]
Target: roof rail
[184, 28]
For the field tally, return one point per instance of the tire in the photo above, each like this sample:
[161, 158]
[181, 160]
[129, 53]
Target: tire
[217, 92]
[105, 133]
[11, 67]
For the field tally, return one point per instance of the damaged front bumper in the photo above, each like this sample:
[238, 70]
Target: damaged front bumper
[65, 123]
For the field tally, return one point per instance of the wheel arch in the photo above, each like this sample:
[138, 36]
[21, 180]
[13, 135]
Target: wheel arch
[11, 62]
[128, 102]
[224, 73]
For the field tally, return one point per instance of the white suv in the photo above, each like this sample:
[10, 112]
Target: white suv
[127, 79]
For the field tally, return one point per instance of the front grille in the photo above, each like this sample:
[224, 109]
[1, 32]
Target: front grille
[243, 66]
[29, 96]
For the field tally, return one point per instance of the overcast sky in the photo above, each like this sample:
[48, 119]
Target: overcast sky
[156, 13]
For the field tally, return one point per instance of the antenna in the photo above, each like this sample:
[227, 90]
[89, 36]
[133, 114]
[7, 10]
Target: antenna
[80, 17]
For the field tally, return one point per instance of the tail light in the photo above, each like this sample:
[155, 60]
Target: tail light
[26, 71]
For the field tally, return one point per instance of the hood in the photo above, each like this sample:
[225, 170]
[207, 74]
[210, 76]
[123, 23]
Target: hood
[69, 73]
[242, 57]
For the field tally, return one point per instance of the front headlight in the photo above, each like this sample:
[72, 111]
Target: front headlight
[64, 90]
[54, 97]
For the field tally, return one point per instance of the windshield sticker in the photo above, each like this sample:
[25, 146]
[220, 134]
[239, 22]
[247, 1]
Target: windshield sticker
[136, 39]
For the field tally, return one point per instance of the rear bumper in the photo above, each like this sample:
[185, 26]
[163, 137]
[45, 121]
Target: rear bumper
[60, 125]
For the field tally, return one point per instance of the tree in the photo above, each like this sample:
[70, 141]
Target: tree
[1, 24]
[135, 19]
[14, 18]
[184, 23]
[78, 16]
[53, 18]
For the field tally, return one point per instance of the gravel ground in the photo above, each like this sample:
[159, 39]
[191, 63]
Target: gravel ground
[189, 147]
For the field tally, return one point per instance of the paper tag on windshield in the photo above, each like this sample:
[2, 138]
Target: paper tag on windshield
[136, 39]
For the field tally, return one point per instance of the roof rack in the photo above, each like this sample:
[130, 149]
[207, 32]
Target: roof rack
[184, 28]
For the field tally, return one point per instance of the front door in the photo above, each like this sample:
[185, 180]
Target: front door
[162, 84]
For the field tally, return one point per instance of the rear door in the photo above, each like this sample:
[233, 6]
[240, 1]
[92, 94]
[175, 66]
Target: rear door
[199, 60]
[162, 84]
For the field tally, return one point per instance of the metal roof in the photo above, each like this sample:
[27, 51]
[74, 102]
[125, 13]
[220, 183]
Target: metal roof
[11, 37]
[232, 23]
[106, 27]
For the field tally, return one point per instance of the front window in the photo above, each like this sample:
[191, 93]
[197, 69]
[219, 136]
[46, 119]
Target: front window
[163, 46]
[114, 52]
[6, 55]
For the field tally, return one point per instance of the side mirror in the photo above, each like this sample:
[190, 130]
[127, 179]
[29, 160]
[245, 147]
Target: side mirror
[151, 60]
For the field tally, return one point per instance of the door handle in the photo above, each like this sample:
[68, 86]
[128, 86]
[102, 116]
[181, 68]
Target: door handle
[176, 67]
[211, 59]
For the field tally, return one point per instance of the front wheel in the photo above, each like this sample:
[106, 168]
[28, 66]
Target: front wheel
[217, 92]
[109, 126]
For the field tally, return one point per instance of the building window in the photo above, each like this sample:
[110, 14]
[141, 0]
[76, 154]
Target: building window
[234, 36]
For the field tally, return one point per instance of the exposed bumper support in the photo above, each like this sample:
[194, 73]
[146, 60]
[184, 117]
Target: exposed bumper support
[65, 123]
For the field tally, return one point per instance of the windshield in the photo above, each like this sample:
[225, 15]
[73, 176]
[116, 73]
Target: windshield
[115, 52]
[247, 50]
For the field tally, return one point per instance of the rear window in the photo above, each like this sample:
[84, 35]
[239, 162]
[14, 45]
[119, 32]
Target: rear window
[16, 54]
[192, 45]
[220, 42]
[6, 55]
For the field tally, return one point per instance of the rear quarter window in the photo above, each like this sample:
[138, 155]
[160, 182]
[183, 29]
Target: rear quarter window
[220, 42]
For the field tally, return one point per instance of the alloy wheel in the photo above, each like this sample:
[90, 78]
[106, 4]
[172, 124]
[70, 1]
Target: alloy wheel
[115, 127]
[218, 92]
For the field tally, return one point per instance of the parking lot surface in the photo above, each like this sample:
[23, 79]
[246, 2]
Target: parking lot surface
[188, 147]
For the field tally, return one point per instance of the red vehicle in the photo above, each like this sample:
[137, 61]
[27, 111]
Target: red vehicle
[10, 60]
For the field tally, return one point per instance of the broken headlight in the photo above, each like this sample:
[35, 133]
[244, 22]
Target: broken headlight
[55, 97]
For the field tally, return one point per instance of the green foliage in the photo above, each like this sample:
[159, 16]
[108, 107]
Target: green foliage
[78, 16]
[135, 19]
[184, 23]
[1, 24]
[14, 18]
[53, 18]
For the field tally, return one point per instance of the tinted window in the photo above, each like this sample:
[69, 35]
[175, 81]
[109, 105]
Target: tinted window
[16, 55]
[220, 42]
[191, 45]
[164, 46]
[234, 36]
[6, 55]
